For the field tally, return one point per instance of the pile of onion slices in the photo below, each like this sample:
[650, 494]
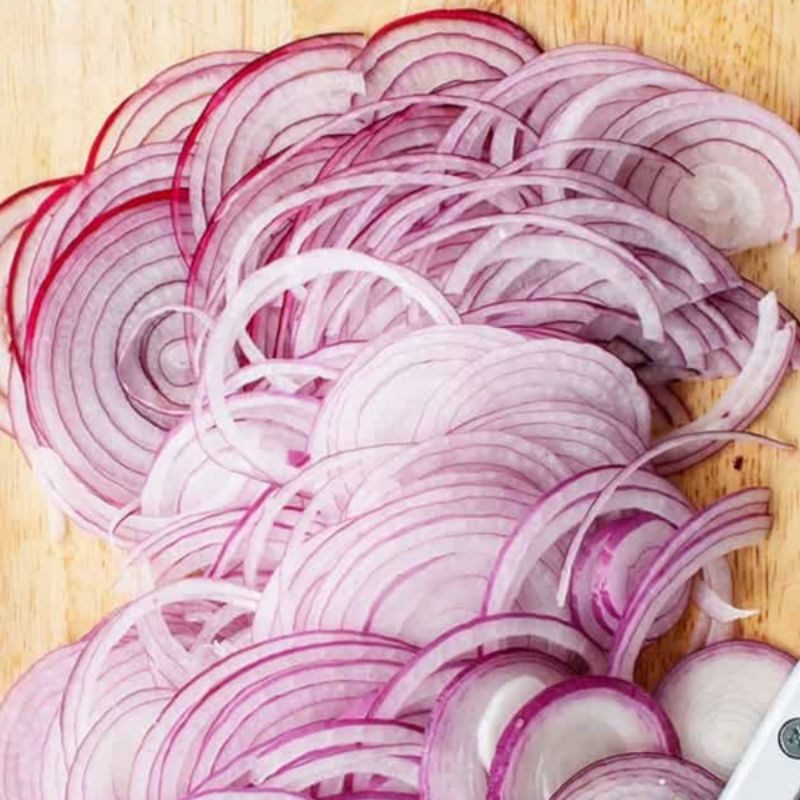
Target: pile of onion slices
[363, 352]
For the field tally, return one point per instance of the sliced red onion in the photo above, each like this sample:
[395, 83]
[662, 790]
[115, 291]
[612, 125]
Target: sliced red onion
[562, 510]
[622, 476]
[27, 713]
[471, 714]
[570, 726]
[507, 193]
[393, 559]
[509, 461]
[300, 757]
[221, 147]
[211, 283]
[736, 521]
[726, 688]
[593, 272]
[484, 260]
[113, 741]
[73, 208]
[165, 108]
[70, 495]
[547, 634]
[354, 414]
[76, 708]
[442, 49]
[741, 307]
[749, 394]
[608, 568]
[274, 794]
[615, 95]
[278, 756]
[716, 607]
[188, 546]
[641, 777]
[745, 164]
[641, 230]
[294, 680]
[436, 61]
[432, 292]
[269, 285]
[320, 490]
[259, 192]
[716, 581]
[15, 215]
[213, 475]
[399, 765]
[460, 20]
[103, 417]
[17, 280]
[535, 371]
[376, 795]
[539, 88]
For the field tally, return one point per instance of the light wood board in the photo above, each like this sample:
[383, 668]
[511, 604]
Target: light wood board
[64, 65]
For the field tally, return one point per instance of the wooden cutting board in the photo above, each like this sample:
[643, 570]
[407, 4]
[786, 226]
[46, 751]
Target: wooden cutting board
[65, 64]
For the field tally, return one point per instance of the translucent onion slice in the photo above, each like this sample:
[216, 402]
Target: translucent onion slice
[645, 776]
[727, 688]
[472, 713]
[570, 726]
[165, 108]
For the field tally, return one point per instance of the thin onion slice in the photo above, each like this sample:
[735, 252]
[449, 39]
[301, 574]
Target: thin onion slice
[471, 714]
[645, 776]
[728, 688]
[166, 106]
[442, 49]
[107, 423]
[736, 521]
[569, 726]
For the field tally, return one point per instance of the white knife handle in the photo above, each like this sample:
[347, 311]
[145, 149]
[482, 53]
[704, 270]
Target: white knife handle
[770, 767]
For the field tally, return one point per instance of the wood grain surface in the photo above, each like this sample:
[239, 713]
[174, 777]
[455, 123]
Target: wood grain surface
[65, 64]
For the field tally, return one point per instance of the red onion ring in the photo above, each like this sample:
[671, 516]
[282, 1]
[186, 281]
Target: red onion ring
[731, 685]
[649, 776]
[601, 716]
